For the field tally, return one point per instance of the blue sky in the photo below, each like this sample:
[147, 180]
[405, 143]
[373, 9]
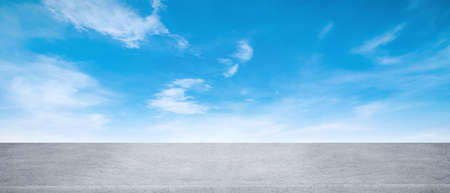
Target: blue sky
[225, 71]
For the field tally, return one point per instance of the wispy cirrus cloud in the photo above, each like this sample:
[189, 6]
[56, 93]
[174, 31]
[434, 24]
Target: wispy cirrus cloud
[175, 100]
[47, 94]
[244, 51]
[383, 39]
[226, 61]
[325, 30]
[431, 70]
[50, 83]
[111, 18]
[369, 109]
[231, 71]
[188, 83]
[389, 59]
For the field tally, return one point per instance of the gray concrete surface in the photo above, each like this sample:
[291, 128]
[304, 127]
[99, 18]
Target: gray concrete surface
[199, 168]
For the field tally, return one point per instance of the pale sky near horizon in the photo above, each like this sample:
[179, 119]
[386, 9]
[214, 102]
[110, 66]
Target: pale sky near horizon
[224, 71]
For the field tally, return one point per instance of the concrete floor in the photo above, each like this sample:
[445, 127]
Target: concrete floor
[313, 168]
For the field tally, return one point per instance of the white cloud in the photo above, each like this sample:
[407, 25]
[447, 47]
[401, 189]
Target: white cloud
[226, 61]
[244, 51]
[419, 73]
[384, 39]
[389, 60]
[243, 54]
[175, 100]
[50, 83]
[369, 109]
[325, 30]
[49, 96]
[231, 71]
[307, 120]
[114, 19]
[187, 82]
[181, 41]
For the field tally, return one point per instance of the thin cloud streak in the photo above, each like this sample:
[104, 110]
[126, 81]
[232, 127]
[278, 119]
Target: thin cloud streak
[243, 54]
[111, 18]
[389, 60]
[381, 40]
[325, 30]
[231, 71]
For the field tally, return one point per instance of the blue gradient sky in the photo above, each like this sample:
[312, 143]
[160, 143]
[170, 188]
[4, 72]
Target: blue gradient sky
[225, 71]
